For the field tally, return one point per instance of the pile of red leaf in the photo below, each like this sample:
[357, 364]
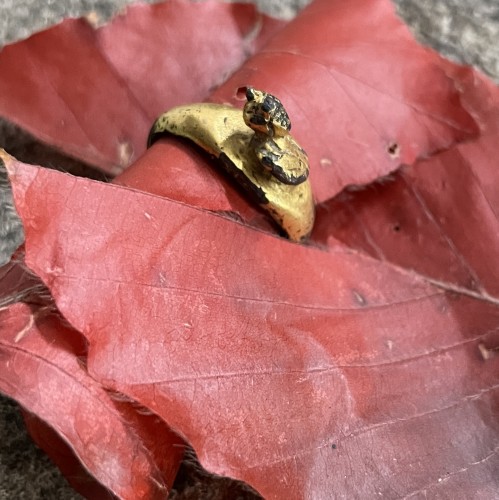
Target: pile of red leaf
[361, 364]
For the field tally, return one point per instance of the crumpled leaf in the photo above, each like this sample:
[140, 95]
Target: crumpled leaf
[307, 371]
[133, 454]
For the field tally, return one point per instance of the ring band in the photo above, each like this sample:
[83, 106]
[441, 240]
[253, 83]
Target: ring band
[256, 148]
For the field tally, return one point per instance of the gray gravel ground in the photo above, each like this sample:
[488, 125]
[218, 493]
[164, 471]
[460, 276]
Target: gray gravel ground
[464, 30]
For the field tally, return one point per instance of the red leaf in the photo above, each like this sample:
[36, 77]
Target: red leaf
[439, 217]
[263, 380]
[94, 93]
[357, 86]
[329, 66]
[332, 78]
[134, 455]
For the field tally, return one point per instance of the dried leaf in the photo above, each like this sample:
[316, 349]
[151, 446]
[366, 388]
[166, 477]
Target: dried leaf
[362, 95]
[134, 455]
[94, 93]
[262, 379]
[438, 217]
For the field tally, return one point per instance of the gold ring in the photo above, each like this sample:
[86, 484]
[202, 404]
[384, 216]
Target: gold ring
[256, 148]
